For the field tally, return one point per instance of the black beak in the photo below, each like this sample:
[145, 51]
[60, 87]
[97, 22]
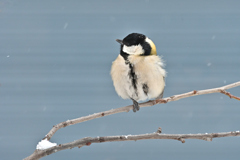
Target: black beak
[119, 41]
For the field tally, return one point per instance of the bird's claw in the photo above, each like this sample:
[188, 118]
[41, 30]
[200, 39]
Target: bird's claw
[135, 106]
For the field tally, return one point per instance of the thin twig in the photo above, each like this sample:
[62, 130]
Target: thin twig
[230, 95]
[145, 104]
[87, 141]
[180, 137]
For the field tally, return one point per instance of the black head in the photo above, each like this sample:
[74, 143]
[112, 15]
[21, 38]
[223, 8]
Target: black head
[134, 39]
[136, 44]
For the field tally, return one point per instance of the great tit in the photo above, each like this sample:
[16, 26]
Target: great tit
[138, 72]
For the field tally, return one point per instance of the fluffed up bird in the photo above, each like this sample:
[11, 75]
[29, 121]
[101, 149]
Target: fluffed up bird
[138, 72]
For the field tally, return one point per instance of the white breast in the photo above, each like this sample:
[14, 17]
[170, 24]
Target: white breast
[148, 70]
[120, 76]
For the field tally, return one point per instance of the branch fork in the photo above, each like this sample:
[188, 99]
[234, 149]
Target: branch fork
[87, 141]
[229, 94]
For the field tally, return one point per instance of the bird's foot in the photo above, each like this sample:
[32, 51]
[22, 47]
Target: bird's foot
[135, 106]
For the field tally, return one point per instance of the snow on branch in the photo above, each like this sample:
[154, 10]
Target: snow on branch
[88, 140]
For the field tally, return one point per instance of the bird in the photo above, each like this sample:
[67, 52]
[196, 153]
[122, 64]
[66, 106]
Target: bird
[138, 72]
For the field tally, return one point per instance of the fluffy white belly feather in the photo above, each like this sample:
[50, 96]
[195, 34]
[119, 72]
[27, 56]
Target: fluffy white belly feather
[148, 73]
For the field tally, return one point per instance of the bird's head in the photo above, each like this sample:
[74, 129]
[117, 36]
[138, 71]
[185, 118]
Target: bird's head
[137, 44]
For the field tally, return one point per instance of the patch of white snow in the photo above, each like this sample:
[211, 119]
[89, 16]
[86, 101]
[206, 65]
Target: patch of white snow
[45, 144]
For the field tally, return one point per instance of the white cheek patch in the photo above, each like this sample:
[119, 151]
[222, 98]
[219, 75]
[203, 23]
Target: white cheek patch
[148, 40]
[136, 50]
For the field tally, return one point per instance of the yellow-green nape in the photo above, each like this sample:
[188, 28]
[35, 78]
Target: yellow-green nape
[153, 50]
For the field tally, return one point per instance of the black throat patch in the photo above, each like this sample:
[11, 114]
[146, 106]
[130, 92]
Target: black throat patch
[132, 76]
[131, 72]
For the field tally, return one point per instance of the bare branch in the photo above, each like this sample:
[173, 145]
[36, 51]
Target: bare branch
[230, 95]
[180, 137]
[87, 141]
[145, 104]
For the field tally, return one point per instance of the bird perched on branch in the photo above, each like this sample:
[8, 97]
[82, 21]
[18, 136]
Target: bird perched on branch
[138, 72]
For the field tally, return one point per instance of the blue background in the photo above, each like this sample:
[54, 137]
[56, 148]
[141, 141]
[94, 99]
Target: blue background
[55, 60]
